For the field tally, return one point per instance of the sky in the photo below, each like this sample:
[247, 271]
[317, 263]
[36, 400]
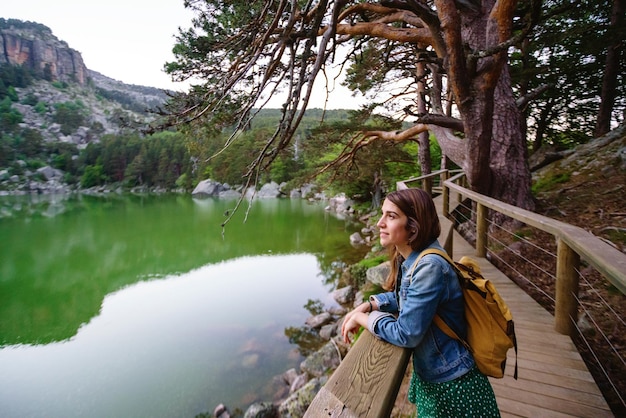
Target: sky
[127, 40]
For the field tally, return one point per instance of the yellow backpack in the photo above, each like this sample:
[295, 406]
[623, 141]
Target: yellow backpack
[490, 328]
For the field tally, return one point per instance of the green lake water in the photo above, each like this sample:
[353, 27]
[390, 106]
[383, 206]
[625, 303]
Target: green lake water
[144, 306]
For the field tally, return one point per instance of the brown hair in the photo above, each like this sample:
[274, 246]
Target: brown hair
[422, 224]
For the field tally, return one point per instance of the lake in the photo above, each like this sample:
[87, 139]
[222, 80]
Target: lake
[145, 306]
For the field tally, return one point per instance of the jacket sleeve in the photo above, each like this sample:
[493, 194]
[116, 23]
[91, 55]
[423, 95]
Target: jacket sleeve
[386, 302]
[420, 304]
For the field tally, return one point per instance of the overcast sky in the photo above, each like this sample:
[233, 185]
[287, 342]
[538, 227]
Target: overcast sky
[127, 40]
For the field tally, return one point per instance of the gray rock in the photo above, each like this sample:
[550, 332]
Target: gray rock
[328, 331]
[208, 187]
[298, 383]
[343, 295]
[269, 190]
[290, 375]
[318, 363]
[262, 410]
[229, 194]
[340, 204]
[337, 310]
[221, 411]
[50, 173]
[378, 275]
[356, 239]
[295, 406]
[319, 320]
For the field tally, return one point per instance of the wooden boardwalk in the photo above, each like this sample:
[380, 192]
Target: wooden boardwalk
[553, 379]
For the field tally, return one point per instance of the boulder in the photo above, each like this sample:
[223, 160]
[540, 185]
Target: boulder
[50, 173]
[343, 295]
[356, 239]
[328, 331]
[340, 204]
[298, 383]
[378, 274]
[269, 190]
[295, 406]
[207, 188]
[262, 410]
[318, 363]
[319, 320]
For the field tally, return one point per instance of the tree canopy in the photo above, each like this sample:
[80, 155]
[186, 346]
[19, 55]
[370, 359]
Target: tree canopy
[462, 70]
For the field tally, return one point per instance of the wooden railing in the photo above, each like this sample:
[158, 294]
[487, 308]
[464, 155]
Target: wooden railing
[367, 381]
[573, 245]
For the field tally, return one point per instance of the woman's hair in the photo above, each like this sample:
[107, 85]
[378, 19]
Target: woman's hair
[422, 225]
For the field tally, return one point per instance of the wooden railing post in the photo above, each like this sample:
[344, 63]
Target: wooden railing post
[427, 185]
[481, 230]
[446, 194]
[566, 309]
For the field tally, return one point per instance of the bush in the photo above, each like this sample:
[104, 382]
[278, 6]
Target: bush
[93, 176]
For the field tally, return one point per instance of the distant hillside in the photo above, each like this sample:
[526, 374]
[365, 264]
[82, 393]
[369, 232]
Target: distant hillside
[47, 75]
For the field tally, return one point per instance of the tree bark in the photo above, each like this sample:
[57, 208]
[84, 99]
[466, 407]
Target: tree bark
[511, 179]
[423, 138]
[611, 71]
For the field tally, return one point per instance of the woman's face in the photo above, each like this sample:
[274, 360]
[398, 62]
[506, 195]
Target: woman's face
[392, 226]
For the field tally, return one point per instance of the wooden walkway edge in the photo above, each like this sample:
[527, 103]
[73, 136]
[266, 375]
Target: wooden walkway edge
[553, 379]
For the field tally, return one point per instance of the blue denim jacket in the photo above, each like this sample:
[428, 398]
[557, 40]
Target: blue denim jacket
[405, 318]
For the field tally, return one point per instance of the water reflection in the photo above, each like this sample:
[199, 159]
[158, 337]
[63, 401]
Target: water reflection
[168, 346]
[139, 307]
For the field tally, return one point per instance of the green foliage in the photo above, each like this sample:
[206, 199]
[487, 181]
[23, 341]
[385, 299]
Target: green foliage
[61, 85]
[93, 176]
[307, 339]
[315, 307]
[12, 76]
[30, 100]
[567, 53]
[70, 115]
[12, 94]
[41, 108]
[358, 271]
[10, 118]
[549, 182]
[379, 161]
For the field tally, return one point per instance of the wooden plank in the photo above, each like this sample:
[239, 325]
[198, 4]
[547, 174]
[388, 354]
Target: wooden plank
[549, 377]
[366, 382]
[511, 408]
[567, 406]
[584, 397]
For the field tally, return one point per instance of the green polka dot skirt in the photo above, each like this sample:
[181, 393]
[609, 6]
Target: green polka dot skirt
[470, 395]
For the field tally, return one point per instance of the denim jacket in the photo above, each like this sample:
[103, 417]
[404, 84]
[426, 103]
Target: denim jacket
[405, 317]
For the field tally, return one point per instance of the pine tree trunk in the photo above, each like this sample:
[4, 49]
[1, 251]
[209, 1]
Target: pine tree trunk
[496, 162]
[611, 71]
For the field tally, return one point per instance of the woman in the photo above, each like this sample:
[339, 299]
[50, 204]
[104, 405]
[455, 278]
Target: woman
[445, 381]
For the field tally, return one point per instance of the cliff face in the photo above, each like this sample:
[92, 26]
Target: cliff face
[43, 53]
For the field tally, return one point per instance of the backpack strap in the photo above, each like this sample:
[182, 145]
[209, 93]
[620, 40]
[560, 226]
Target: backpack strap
[437, 319]
[450, 332]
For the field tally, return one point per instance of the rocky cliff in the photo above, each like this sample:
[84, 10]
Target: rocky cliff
[104, 106]
[34, 46]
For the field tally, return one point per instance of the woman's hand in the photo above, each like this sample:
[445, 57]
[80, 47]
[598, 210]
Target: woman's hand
[354, 320]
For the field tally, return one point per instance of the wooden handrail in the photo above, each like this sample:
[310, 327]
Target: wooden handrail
[609, 261]
[366, 383]
[574, 244]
